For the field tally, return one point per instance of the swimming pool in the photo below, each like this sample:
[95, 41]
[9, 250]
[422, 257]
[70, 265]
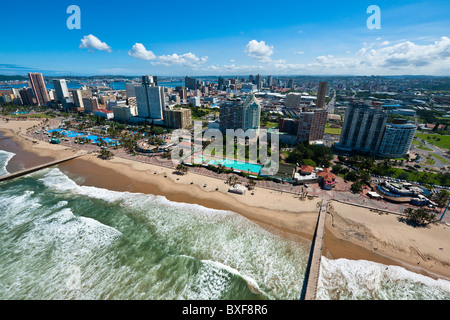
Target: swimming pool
[93, 138]
[232, 164]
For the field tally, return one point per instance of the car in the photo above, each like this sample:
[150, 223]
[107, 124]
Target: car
[306, 186]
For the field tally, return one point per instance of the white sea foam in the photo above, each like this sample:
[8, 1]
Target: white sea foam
[361, 279]
[5, 156]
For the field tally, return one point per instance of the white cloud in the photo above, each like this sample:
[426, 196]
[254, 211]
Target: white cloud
[299, 52]
[385, 43]
[92, 42]
[188, 59]
[259, 51]
[138, 51]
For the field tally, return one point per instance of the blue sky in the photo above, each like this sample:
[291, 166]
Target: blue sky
[177, 38]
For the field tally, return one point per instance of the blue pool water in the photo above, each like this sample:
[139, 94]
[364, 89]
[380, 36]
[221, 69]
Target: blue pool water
[233, 164]
[93, 138]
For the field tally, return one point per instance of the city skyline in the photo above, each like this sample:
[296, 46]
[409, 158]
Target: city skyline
[293, 38]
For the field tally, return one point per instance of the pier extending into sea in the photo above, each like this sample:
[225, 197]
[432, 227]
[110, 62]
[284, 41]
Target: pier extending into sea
[313, 268]
[39, 167]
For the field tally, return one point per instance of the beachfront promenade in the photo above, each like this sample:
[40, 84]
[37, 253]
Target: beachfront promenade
[313, 268]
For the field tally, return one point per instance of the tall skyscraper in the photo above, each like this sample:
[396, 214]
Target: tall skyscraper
[77, 98]
[26, 95]
[38, 85]
[150, 99]
[61, 89]
[178, 118]
[363, 129]
[290, 83]
[269, 81]
[321, 94]
[258, 81]
[240, 115]
[190, 83]
[397, 139]
[311, 125]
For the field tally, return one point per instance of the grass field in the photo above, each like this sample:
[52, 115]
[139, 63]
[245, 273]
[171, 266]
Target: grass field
[437, 140]
[335, 131]
[440, 158]
[422, 147]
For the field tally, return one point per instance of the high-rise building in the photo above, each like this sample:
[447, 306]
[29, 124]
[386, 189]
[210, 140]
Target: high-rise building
[90, 104]
[190, 83]
[258, 81]
[77, 98]
[38, 85]
[130, 89]
[290, 84]
[363, 129]
[269, 81]
[311, 125]
[397, 139]
[178, 118]
[321, 94]
[240, 115]
[26, 95]
[150, 100]
[61, 89]
[293, 100]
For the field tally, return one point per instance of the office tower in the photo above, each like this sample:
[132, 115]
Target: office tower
[178, 118]
[26, 95]
[130, 89]
[90, 104]
[293, 100]
[269, 81]
[321, 94]
[258, 81]
[38, 85]
[195, 101]
[77, 98]
[150, 100]
[61, 89]
[363, 129]
[311, 125]
[290, 83]
[190, 83]
[251, 79]
[240, 115]
[220, 83]
[397, 139]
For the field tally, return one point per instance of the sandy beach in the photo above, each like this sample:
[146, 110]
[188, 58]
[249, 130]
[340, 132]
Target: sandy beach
[352, 232]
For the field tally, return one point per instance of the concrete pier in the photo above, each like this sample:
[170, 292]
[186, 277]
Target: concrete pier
[39, 167]
[313, 269]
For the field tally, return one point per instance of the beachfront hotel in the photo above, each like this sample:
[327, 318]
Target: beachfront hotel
[39, 89]
[150, 99]
[366, 131]
[240, 115]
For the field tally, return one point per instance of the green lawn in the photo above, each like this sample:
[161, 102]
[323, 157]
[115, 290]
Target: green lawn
[35, 115]
[440, 158]
[424, 177]
[437, 140]
[335, 131]
[424, 148]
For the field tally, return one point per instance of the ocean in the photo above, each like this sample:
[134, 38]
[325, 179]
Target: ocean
[62, 240]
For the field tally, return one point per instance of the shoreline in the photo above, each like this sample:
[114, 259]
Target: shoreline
[352, 232]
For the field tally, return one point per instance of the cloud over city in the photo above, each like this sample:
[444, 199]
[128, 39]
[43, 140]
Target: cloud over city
[187, 59]
[91, 42]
